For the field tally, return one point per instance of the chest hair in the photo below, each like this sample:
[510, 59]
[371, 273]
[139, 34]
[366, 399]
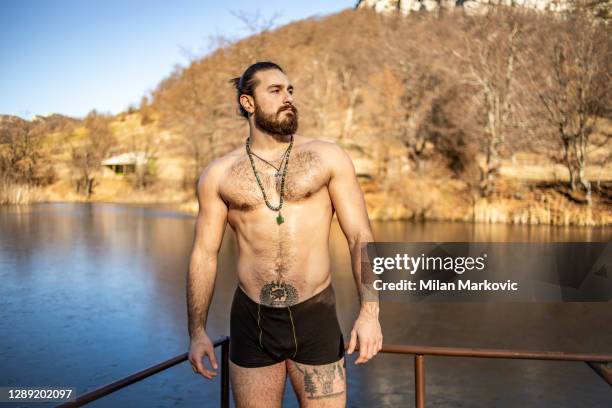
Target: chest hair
[305, 176]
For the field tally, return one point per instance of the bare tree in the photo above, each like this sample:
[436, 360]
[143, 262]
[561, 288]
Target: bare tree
[257, 26]
[573, 88]
[19, 152]
[322, 82]
[256, 23]
[490, 63]
[147, 144]
[189, 108]
[600, 9]
[421, 89]
[89, 150]
[22, 157]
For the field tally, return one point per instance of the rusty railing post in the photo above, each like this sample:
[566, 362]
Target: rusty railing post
[225, 373]
[419, 380]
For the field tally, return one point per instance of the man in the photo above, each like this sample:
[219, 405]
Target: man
[279, 192]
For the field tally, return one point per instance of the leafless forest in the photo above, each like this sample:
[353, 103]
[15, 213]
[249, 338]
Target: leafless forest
[430, 106]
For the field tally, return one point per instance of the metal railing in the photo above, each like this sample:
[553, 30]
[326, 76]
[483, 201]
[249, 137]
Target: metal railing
[147, 372]
[600, 363]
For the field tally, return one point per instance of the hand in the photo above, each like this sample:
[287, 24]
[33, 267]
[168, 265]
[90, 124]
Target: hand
[367, 331]
[200, 347]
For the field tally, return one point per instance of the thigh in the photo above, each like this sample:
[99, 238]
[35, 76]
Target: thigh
[258, 386]
[319, 385]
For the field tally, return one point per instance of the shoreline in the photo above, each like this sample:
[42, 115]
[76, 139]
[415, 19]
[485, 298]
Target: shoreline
[415, 200]
[481, 212]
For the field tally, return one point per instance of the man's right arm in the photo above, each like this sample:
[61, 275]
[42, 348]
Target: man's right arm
[209, 230]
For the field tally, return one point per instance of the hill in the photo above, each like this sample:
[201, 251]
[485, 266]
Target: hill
[412, 99]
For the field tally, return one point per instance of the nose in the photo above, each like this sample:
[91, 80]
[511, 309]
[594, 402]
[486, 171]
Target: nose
[288, 98]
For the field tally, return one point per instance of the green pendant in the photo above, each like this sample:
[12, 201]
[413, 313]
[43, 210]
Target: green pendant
[279, 219]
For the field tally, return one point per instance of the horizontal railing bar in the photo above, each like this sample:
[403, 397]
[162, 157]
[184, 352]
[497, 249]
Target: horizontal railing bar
[588, 358]
[141, 375]
[494, 353]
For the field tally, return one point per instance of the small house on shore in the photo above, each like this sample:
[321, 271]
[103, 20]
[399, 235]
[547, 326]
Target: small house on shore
[125, 163]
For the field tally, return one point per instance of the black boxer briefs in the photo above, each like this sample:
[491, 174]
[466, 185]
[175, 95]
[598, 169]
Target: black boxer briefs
[307, 332]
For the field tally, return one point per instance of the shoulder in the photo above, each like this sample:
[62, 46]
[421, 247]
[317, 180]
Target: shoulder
[212, 175]
[337, 160]
[329, 150]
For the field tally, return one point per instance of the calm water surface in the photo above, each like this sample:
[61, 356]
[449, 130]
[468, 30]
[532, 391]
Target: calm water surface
[93, 292]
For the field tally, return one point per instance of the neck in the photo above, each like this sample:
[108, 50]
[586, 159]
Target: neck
[267, 142]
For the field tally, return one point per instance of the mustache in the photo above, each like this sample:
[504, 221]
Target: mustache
[289, 107]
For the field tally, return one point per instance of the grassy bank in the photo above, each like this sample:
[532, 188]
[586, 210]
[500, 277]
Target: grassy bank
[515, 202]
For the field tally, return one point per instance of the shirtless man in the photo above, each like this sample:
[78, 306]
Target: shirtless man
[283, 315]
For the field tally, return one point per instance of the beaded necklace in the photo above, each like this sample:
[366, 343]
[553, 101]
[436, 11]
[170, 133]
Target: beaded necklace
[279, 218]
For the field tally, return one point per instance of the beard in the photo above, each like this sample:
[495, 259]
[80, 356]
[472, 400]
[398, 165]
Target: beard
[274, 124]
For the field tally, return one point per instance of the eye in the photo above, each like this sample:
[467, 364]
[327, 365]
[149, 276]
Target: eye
[276, 91]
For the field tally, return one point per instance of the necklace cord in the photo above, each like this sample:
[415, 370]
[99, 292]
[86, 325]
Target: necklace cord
[287, 152]
[264, 160]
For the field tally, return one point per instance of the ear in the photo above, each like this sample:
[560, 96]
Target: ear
[247, 103]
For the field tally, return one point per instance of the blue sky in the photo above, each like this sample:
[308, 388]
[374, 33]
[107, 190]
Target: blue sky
[68, 57]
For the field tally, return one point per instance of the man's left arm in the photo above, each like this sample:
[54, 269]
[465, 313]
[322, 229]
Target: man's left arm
[349, 204]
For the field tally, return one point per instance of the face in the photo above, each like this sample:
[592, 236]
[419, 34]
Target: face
[273, 110]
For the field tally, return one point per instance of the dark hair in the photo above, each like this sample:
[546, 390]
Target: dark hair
[247, 83]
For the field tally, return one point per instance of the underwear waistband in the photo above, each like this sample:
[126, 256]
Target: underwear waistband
[296, 306]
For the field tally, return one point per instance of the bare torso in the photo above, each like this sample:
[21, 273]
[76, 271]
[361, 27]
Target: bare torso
[280, 265]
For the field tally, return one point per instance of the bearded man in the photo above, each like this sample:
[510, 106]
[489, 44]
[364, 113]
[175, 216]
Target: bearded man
[279, 192]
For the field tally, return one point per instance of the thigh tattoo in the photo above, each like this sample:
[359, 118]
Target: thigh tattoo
[319, 382]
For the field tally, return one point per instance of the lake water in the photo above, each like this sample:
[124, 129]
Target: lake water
[91, 293]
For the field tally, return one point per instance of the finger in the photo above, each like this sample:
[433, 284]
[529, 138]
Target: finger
[377, 346]
[352, 342]
[209, 373]
[362, 349]
[201, 369]
[370, 350]
[363, 352]
[374, 349]
[213, 359]
[193, 362]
